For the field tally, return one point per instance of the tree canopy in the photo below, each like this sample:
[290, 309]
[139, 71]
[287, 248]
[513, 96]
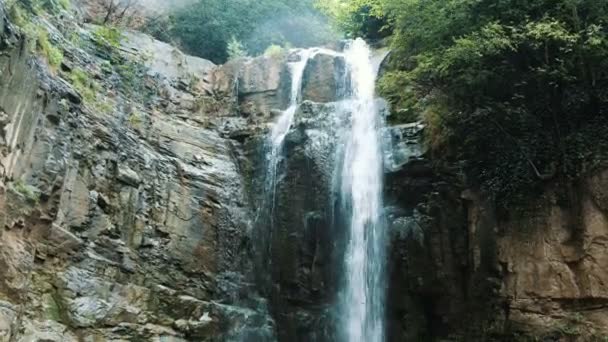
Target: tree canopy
[516, 90]
[206, 27]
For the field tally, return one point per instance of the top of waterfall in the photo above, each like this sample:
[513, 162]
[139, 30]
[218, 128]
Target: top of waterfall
[358, 57]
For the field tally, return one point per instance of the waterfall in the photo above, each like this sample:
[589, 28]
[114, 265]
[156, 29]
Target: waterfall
[361, 306]
[281, 128]
[283, 124]
[357, 183]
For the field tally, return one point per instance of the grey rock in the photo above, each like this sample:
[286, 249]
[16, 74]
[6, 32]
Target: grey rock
[324, 78]
[128, 176]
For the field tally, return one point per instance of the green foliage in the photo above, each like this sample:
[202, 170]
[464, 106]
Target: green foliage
[274, 51]
[18, 15]
[29, 192]
[108, 35]
[89, 90]
[131, 76]
[52, 53]
[515, 90]
[235, 49]
[357, 18]
[39, 7]
[84, 85]
[135, 120]
[206, 27]
[65, 4]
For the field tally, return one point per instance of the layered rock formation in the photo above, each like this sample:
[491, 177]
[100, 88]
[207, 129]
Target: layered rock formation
[124, 215]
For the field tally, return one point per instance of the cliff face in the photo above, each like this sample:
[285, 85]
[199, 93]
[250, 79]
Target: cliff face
[132, 208]
[123, 214]
[465, 271]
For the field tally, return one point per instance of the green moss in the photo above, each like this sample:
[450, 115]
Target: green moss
[89, 89]
[65, 4]
[135, 120]
[104, 106]
[131, 76]
[52, 311]
[18, 15]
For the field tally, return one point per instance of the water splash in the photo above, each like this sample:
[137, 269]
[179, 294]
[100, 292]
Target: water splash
[362, 300]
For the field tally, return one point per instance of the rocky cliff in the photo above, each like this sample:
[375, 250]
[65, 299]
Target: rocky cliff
[124, 215]
[464, 270]
[132, 209]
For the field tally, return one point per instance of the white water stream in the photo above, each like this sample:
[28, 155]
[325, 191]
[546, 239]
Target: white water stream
[362, 300]
[361, 306]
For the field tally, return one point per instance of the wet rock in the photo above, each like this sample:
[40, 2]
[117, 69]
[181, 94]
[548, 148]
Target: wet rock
[261, 84]
[324, 78]
[403, 145]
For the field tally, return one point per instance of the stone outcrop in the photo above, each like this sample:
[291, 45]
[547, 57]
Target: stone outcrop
[325, 78]
[261, 85]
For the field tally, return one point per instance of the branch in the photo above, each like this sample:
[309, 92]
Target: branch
[541, 176]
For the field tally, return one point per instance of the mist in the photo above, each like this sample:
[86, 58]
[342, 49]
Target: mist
[164, 6]
[288, 30]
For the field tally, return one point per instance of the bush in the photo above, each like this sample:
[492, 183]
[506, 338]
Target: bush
[52, 54]
[207, 27]
[65, 4]
[235, 49]
[108, 35]
[135, 120]
[29, 192]
[274, 51]
[84, 85]
[514, 92]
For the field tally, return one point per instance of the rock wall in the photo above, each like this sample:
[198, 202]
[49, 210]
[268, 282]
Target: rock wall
[124, 216]
[464, 271]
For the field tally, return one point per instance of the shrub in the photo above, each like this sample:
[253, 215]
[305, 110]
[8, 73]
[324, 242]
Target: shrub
[274, 51]
[52, 54]
[18, 15]
[235, 49]
[65, 4]
[29, 192]
[84, 85]
[108, 35]
[135, 120]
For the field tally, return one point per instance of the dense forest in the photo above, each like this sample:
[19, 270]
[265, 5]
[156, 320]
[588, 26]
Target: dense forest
[512, 91]
[219, 30]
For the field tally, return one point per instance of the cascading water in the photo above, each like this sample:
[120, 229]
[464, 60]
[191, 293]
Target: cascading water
[358, 182]
[362, 300]
[283, 124]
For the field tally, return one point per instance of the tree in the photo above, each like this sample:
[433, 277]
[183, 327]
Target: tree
[515, 91]
[115, 11]
[205, 27]
[236, 49]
